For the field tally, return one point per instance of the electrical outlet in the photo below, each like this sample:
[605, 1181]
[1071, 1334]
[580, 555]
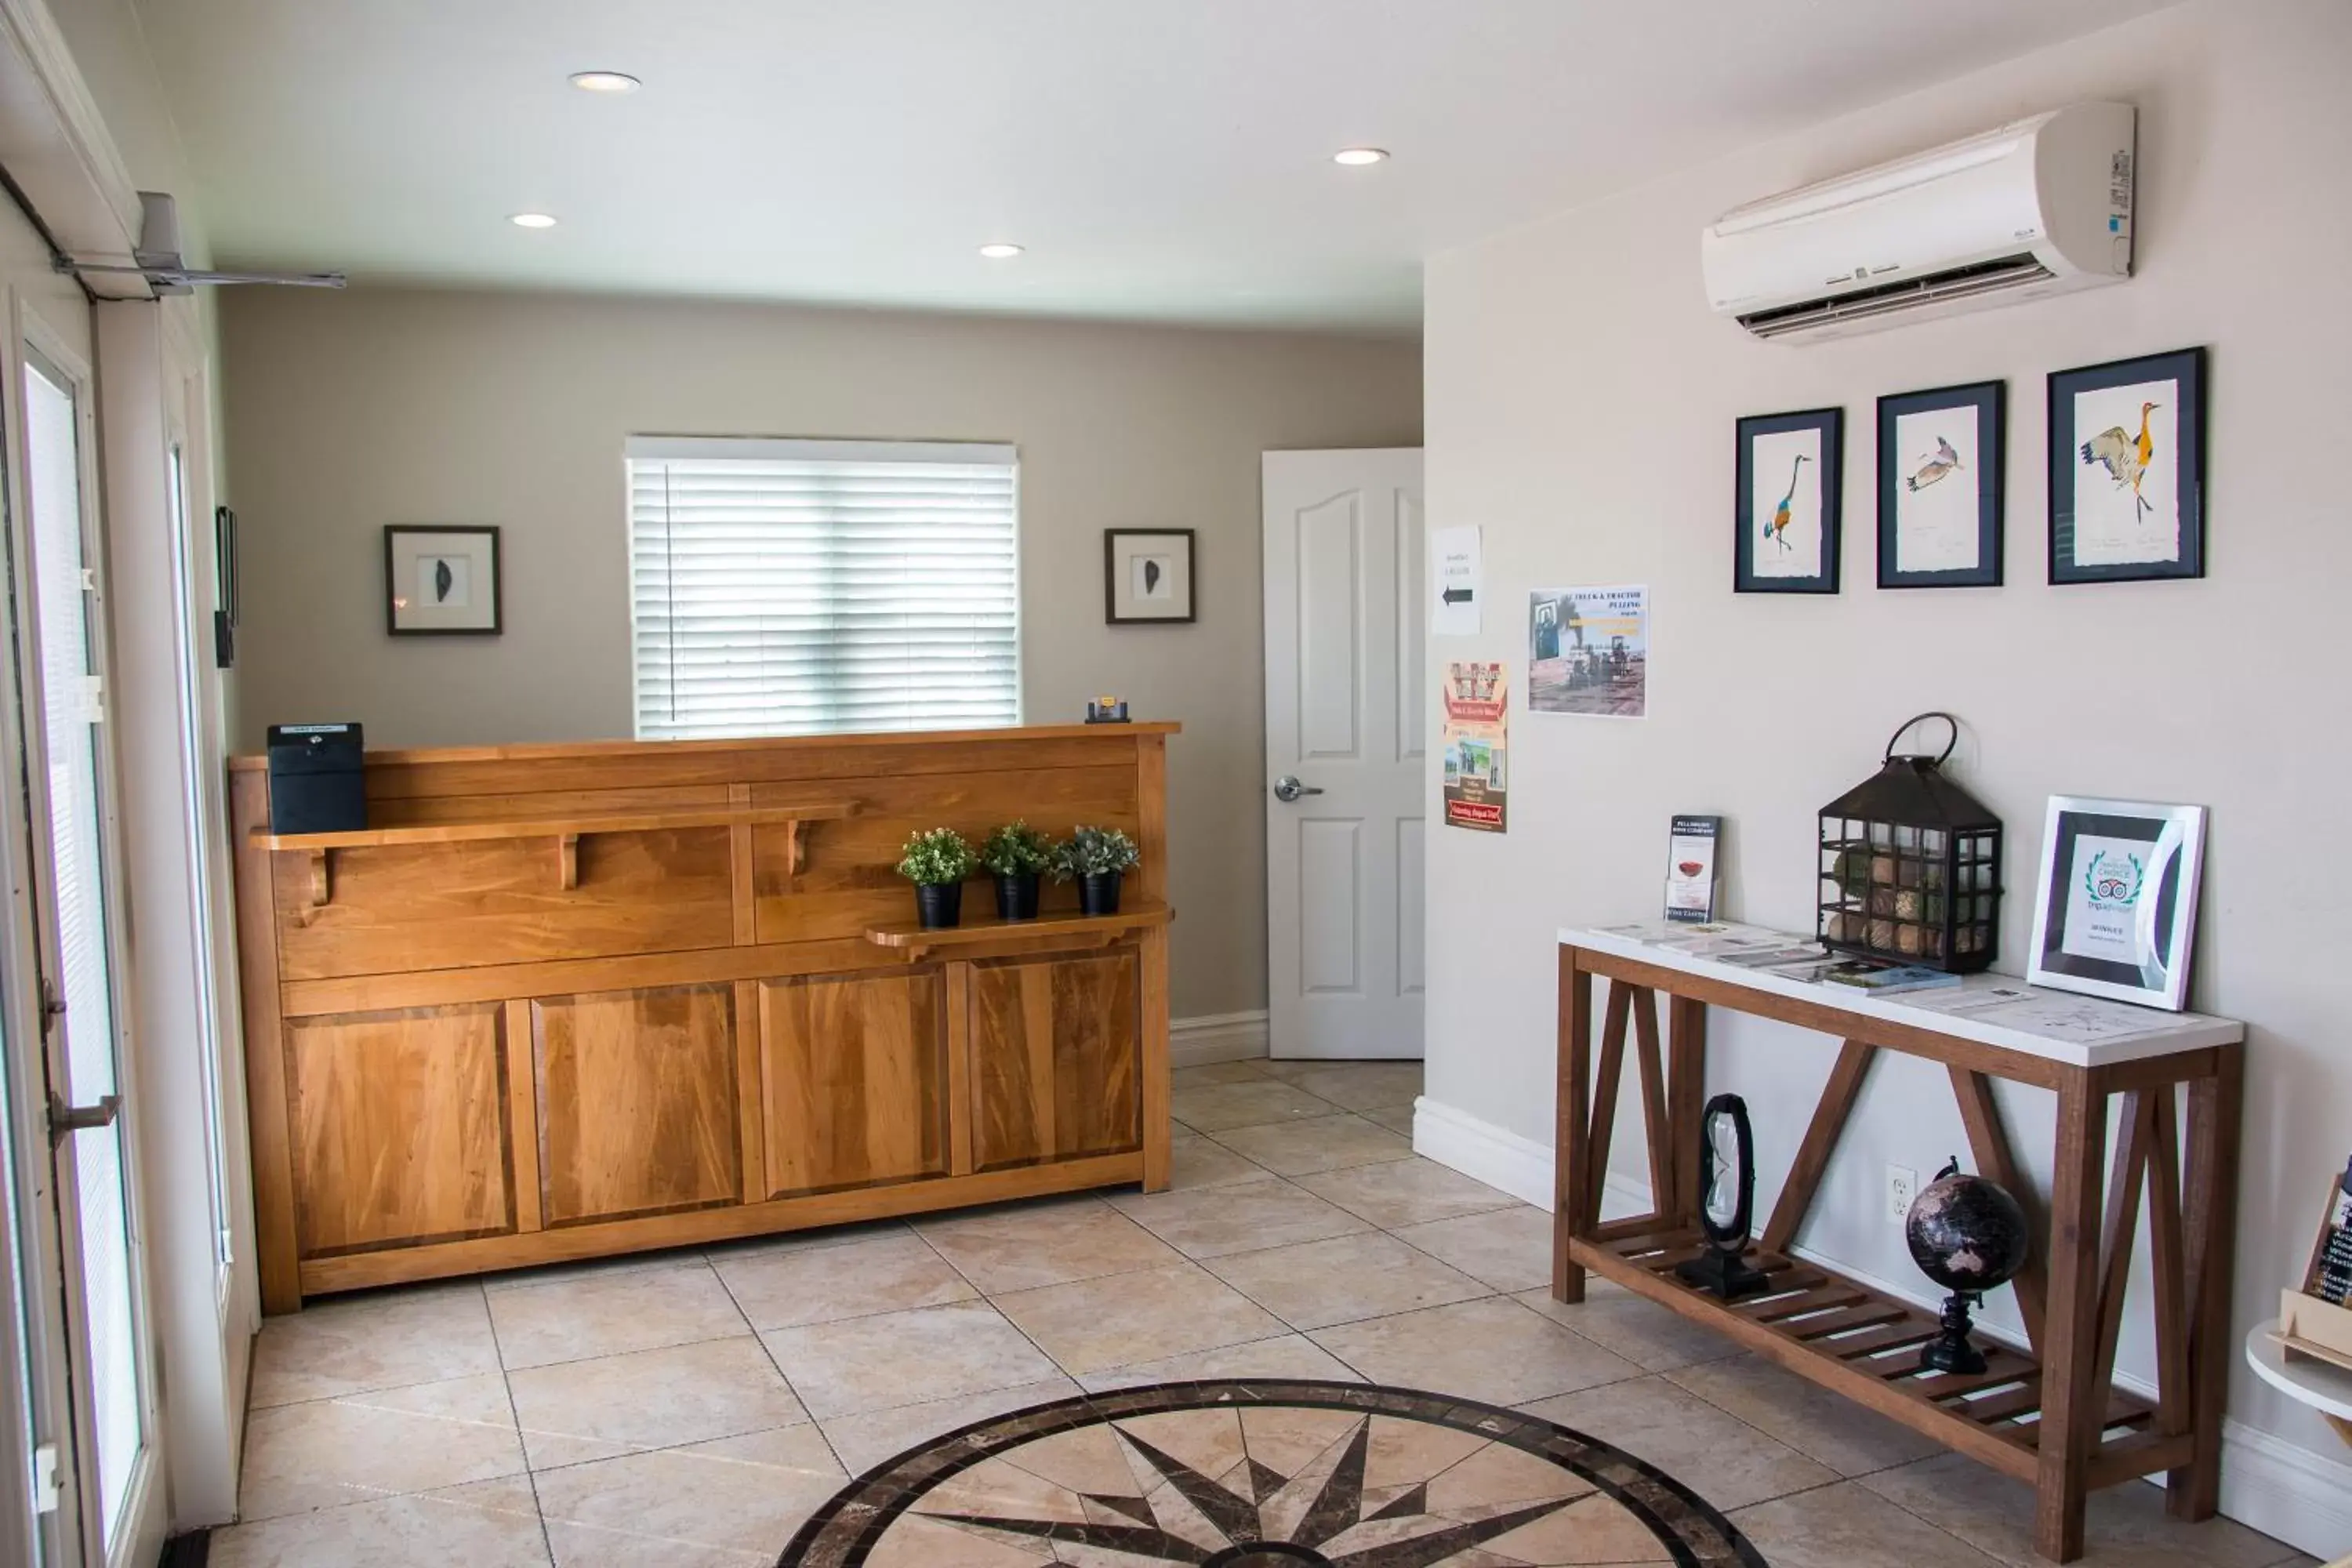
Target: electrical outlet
[1902, 1186]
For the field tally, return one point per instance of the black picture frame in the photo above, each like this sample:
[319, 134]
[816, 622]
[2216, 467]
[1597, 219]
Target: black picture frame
[1989, 401]
[224, 593]
[1829, 424]
[392, 606]
[1111, 615]
[2072, 460]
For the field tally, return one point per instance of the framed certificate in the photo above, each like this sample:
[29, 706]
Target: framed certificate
[2117, 904]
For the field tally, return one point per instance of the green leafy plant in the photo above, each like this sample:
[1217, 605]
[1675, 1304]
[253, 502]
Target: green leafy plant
[936, 856]
[1017, 849]
[1092, 851]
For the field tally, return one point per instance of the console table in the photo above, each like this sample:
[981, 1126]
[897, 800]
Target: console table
[2050, 1415]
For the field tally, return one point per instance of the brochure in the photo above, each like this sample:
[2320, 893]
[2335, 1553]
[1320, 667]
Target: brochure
[1690, 867]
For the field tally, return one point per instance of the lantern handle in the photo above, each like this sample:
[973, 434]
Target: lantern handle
[1949, 722]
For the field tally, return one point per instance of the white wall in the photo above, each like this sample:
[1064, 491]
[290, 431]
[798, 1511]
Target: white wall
[1581, 407]
[347, 412]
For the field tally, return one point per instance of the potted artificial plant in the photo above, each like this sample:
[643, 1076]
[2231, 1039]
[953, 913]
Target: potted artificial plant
[1097, 857]
[937, 860]
[1016, 855]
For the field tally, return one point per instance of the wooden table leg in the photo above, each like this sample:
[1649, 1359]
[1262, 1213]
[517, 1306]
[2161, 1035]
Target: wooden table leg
[2070, 1424]
[1571, 1199]
[2194, 1491]
[1685, 1099]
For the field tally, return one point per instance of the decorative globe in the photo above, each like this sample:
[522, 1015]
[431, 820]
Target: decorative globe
[1966, 1234]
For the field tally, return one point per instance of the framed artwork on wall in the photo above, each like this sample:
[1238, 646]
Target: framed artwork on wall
[2115, 908]
[2127, 469]
[1939, 487]
[441, 581]
[1791, 469]
[1147, 575]
[224, 601]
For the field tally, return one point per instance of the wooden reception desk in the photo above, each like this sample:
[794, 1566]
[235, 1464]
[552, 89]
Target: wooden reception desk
[557, 1002]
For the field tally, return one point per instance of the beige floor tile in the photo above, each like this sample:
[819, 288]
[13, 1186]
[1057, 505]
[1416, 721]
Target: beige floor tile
[1494, 1349]
[1407, 1191]
[904, 1357]
[864, 1440]
[613, 1314]
[1284, 1356]
[1655, 1338]
[1344, 1279]
[361, 1447]
[1213, 1106]
[1845, 1526]
[732, 1503]
[880, 1274]
[1218, 1072]
[915, 1542]
[1397, 1119]
[1725, 1461]
[1023, 1247]
[2125, 1526]
[599, 1409]
[1360, 1086]
[486, 1524]
[1809, 1418]
[1594, 1530]
[1318, 1143]
[1091, 1324]
[387, 1339]
[1196, 1159]
[1243, 1217]
[1506, 1249]
[593, 1267]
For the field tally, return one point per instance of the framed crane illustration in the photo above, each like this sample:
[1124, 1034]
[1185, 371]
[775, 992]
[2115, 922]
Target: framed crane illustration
[2127, 469]
[1791, 470]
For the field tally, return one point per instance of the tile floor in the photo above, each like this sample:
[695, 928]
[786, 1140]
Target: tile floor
[688, 1409]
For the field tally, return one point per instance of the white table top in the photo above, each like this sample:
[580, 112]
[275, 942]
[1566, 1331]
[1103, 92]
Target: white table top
[1993, 1009]
[2326, 1388]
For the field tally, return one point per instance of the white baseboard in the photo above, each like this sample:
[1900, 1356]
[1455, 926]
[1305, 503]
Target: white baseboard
[1220, 1037]
[2268, 1484]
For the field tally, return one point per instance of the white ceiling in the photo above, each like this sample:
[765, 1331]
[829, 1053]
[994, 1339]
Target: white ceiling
[1165, 160]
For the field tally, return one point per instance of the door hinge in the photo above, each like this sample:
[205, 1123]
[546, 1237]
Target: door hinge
[45, 1478]
[53, 1006]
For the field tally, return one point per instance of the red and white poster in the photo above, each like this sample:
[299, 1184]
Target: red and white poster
[1477, 701]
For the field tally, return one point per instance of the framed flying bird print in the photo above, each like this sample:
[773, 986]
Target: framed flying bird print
[1791, 469]
[1939, 487]
[2127, 469]
[441, 581]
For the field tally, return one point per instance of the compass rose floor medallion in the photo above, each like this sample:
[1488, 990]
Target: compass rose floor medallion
[1265, 1474]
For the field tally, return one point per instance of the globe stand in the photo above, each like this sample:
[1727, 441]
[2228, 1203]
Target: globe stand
[1950, 1350]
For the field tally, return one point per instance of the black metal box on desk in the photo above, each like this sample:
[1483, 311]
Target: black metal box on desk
[315, 783]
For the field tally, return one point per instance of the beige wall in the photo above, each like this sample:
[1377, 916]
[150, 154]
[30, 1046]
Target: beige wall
[347, 411]
[1581, 401]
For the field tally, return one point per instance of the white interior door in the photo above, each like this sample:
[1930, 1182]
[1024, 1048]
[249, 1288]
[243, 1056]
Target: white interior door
[1345, 542]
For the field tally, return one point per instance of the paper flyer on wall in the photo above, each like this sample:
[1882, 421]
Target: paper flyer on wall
[1477, 702]
[1588, 651]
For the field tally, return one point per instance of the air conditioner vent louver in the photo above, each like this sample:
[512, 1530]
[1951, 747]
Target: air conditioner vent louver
[1959, 283]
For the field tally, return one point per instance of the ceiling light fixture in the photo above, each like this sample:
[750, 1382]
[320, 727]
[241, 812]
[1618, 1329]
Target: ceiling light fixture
[1000, 250]
[605, 82]
[533, 220]
[1360, 157]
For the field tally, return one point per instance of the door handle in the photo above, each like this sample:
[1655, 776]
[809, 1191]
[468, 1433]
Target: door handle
[1288, 789]
[66, 1120]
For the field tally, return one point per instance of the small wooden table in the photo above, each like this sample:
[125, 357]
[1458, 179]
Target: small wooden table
[2050, 1415]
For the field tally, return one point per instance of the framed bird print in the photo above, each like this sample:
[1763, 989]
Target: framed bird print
[1939, 470]
[1147, 575]
[2127, 469]
[1790, 472]
[441, 582]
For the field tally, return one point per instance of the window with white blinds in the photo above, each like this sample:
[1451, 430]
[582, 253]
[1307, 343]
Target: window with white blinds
[804, 587]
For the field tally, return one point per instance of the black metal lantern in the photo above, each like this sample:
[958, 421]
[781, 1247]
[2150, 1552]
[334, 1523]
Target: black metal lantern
[1910, 865]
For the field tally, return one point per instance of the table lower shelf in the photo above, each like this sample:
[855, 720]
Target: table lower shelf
[1865, 1345]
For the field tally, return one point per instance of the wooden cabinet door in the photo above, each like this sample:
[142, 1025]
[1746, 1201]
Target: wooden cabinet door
[636, 1102]
[855, 1069]
[1056, 1058]
[399, 1133]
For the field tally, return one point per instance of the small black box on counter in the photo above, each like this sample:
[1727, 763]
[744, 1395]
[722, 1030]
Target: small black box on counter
[316, 785]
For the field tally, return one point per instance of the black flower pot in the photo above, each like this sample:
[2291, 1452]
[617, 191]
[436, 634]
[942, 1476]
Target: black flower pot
[938, 905]
[1016, 896]
[1098, 893]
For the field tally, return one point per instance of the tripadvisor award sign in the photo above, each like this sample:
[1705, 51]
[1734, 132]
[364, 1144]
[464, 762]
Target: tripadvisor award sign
[1476, 703]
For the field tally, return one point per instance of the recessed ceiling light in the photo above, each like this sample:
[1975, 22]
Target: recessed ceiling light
[1357, 157]
[999, 251]
[605, 82]
[533, 220]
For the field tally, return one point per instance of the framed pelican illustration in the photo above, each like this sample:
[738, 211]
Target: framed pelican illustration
[441, 581]
[1791, 469]
[2127, 469]
[1939, 487]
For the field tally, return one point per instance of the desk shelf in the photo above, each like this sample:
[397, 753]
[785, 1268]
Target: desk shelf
[984, 938]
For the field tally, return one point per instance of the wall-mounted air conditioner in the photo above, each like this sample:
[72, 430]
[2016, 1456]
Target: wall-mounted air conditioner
[2039, 207]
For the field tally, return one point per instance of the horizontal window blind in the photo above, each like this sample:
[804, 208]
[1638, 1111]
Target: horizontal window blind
[805, 587]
